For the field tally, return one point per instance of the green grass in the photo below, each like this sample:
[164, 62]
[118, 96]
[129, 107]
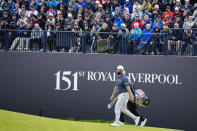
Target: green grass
[12, 121]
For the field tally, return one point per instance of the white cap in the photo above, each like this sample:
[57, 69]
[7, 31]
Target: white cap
[176, 8]
[36, 24]
[69, 15]
[178, 1]
[127, 0]
[187, 0]
[97, 2]
[120, 67]
[156, 6]
[100, 5]
[123, 24]
[50, 14]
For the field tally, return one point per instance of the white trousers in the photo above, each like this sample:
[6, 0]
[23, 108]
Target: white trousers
[121, 106]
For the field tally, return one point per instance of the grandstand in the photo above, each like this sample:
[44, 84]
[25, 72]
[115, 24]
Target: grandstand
[154, 27]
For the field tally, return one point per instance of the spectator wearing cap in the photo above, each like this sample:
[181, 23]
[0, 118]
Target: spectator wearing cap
[115, 39]
[70, 11]
[18, 42]
[156, 12]
[50, 20]
[5, 18]
[146, 21]
[41, 21]
[167, 13]
[87, 20]
[107, 4]
[89, 4]
[123, 36]
[118, 20]
[14, 19]
[146, 12]
[117, 12]
[137, 12]
[189, 22]
[136, 5]
[82, 3]
[36, 37]
[187, 5]
[179, 21]
[60, 19]
[27, 36]
[107, 12]
[147, 4]
[158, 23]
[32, 11]
[51, 11]
[156, 41]
[100, 10]
[156, 2]
[108, 21]
[11, 4]
[169, 22]
[177, 13]
[33, 3]
[76, 47]
[7, 9]
[32, 20]
[62, 9]
[95, 7]
[146, 40]
[116, 7]
[62, 4]
[127, 21]
[138, 20]
[42, 9]
[69, 20]
[73, 4]
[80, 11]
[178, 5]
[129, 6]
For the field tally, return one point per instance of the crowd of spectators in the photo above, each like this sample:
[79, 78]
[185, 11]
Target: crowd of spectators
[128, 19]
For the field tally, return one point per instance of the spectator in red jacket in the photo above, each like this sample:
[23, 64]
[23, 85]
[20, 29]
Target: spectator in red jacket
[168, 12]
[138, 20]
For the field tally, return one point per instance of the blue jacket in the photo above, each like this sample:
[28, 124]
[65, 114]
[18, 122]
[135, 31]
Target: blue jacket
[147, 35]
[53, 3]
[11, 5]
[137, 35]
[129, 6]
[149, 22]
[118, 22]
[113, 10]
[36, 5]
[160, 25]
[20, 32]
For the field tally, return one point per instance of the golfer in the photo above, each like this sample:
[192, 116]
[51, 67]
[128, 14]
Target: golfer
[123, 90]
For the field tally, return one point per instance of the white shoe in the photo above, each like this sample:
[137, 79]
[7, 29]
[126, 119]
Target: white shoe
[121, 123]
[137, 120]
[143, 122]
[115, 124]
